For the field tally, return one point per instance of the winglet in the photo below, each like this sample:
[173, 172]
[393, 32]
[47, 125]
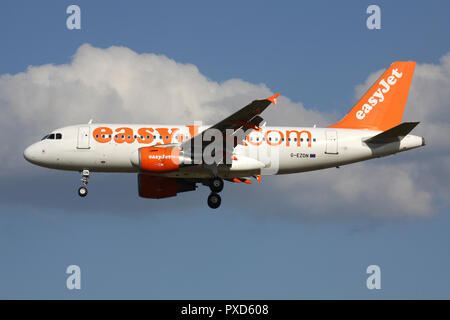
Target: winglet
[273, 98]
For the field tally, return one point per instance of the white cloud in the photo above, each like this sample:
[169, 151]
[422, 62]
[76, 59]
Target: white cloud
[119, 85]
[372, 189]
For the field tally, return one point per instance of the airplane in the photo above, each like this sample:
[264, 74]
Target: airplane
[170, 159]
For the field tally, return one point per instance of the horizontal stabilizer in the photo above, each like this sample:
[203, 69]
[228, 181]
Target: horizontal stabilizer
[394, 134]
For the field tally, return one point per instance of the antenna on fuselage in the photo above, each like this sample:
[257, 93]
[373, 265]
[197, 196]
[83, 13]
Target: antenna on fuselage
[90, 121]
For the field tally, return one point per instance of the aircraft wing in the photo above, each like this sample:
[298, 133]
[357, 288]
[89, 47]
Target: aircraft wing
[246, 118]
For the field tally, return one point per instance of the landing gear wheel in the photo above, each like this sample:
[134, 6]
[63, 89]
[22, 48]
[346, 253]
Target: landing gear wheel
[216, 184]
[214, 200]
[82, 192]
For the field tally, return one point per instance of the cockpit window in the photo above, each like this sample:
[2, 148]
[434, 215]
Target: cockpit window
[53, 136]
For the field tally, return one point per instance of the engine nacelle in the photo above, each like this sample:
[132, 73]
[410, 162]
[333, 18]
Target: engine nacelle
[159, 159]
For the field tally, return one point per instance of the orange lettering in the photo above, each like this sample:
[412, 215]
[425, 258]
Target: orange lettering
[299, 133]
[166, 135]
[252, 142]
[145, 135]
[102, 134]
[276, 143]
[124, 134]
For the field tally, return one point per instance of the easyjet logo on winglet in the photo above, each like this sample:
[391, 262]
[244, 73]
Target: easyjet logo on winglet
[379, 95]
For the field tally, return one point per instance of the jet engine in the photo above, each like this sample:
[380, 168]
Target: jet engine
[159, 159]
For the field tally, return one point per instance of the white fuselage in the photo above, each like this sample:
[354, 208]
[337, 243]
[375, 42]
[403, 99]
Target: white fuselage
[281, 150]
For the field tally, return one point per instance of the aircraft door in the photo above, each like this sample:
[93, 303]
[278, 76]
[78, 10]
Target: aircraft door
[83, 137]
[332, 143]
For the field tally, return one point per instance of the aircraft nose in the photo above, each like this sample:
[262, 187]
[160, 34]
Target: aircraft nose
[30, 153]
[27, 154]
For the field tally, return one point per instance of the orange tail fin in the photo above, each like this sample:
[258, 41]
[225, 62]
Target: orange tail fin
[381, 107]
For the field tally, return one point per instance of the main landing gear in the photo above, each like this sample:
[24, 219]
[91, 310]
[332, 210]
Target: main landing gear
[214, 200]
[216, 185]
[83, 191]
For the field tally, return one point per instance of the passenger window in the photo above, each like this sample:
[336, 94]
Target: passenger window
[59, 136]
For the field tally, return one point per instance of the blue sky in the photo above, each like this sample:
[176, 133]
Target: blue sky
[313, 52]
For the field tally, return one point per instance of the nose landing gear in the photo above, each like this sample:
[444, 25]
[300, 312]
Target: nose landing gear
[83, 191]
[216, 185]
